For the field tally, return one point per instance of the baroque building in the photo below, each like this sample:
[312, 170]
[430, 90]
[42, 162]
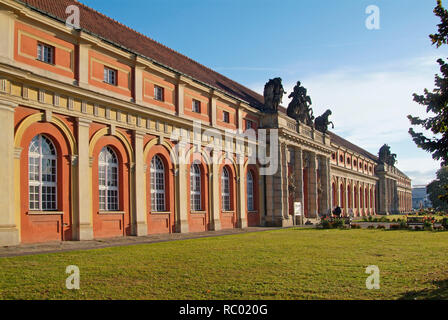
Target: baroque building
[87, 120]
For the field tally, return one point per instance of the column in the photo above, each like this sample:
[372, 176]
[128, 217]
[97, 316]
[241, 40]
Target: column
[138, 83]
[214, 205]
[83, 64]
[324, 169]
[312, 192]
[141, 226]
[9, 233]
[180, 99]
[7, 40]
[241, 193]
[84, 186]
[298, 168]
[181, 196]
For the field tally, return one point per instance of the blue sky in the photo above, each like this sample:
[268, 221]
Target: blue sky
[366, 77]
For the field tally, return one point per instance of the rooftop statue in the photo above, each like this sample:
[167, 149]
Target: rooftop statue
[273, 95]
[386, 156]
[300, 106]
[321, 123]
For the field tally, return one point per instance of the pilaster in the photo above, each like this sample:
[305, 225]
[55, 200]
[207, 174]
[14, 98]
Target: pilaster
[9, 233]
[141, 226]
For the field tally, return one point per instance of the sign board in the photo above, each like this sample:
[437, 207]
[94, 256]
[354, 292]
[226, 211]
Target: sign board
[297, 208]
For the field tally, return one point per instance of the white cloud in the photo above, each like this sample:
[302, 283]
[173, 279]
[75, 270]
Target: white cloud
[370, 106]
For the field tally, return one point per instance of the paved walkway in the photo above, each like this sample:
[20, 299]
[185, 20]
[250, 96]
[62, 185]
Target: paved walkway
[62, 246]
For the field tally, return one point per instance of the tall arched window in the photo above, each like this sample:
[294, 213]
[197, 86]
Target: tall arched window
[250, 192]
[157, 185]
[225, 190]
[195, 188]
[42, 160]
[108, 179]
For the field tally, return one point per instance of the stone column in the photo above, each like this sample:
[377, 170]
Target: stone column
[83, 66]
[9, 233]
[312, 191]
[181, 197]
[180, 99]
[84, 187]
[141, 226]
[7, 19]
[298, 168]
[241, 190]
[324, 170]
[215, 196]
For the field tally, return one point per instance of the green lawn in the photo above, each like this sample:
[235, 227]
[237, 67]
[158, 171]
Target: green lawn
[282, 264]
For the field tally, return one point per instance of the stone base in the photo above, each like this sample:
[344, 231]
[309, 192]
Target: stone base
[9, 236]
[280, 222]
[142, 229]
[182, 226]
[215, 226]
[242, 223]
[85, 232]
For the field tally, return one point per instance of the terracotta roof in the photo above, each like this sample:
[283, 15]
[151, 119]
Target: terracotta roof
[110, 30]
[347, 144]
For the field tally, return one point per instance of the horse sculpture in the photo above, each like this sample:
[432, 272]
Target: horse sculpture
[273, 95]
[300, 106]
[321, 123]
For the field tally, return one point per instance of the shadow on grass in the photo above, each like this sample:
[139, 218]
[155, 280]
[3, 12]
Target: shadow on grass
[439, 293]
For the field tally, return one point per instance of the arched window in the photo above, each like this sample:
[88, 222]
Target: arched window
[42, 160]
[250, 192]
[195, 188]
[157, 185]
[108, 179]
[225, 190]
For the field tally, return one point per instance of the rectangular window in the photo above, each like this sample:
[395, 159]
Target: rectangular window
[45, 53]
[225, 117]
[248, 124]
[196, 106]
[110, 76]
[158, 93]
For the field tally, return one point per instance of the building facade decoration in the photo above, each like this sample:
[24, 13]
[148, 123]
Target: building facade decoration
[125, 157]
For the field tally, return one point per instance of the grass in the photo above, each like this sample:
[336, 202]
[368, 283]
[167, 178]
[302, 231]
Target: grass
[282, 264]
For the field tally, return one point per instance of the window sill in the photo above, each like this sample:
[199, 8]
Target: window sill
[160, 212]
[198, 212]
[111, 212]
[40, 213]
[228, 212]
[253, 211]
[49, 63]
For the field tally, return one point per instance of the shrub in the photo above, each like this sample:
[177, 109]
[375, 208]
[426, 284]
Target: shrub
[445, 223]
[371, 227]
[380, 226]
[403, 224]
[355, 226]
[326, 224]
[395, 227]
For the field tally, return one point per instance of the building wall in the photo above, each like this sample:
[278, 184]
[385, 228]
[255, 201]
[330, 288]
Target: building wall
[69, 103]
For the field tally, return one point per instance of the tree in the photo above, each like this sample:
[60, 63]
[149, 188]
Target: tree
[436, 102]
[437, 190]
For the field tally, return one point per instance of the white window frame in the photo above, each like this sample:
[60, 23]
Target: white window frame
[196, 106]
[226, 116]
[110, 76]
[157, 171]
[225, 190]
[45, 53]
[250, 191]
[109, 190]
[195, 188]
[159, 93]
[36, 160]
